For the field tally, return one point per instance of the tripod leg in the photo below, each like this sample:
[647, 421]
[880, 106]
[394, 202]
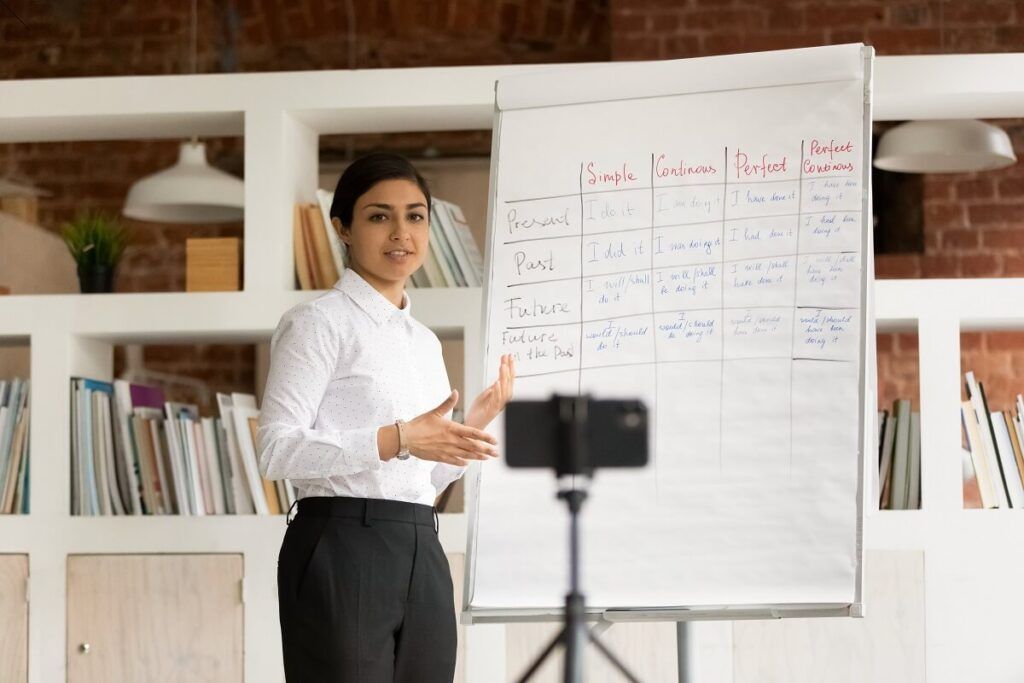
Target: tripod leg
[555, 642]
[613, 659]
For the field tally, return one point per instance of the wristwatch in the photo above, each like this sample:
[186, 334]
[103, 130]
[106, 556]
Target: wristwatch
[403, 447]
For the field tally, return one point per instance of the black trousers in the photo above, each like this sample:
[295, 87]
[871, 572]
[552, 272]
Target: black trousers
[365, 594]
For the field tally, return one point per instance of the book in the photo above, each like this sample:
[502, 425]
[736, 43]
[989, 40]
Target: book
[1007, 460]
[11, 397]
[986, 486]
[465, 238]
[20, 504]
[447, 249]
[245, 484]
[885, 456]
[303, 274]
[316, 277]
[213, 466]
[986, 446]
[228, 472]
[436, 249]
[972, 492]
[14, 469]
[901, 456]
[112, 493]
[1015, 442]
[144, 448]
[461, 239]
[338, 248]
[326, 267]
[243, 406]
[985, 422]
[914, 464]
[269, 487]
[163, 485]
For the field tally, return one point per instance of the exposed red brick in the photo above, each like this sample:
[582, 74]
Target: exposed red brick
[1013, 266]
[1012, 188]
[906, 341]
[978, 12]
[1011, 238]
[959, 239]
[975, 188]
[980, 265]
[939, 265]
[897, 266]
[971, 341]
[836, 15]
[1005, 341]
[904, 41]
[936, 187]
[996, 214]
[944, 215]
[677, 47]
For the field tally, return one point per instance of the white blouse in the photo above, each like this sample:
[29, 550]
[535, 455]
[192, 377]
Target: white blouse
[341, 366]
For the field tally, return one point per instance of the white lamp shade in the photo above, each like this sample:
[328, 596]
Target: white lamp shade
[944, 146]
[191, 191]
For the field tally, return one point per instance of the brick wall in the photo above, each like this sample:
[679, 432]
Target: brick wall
[971, 221]
[55, 40]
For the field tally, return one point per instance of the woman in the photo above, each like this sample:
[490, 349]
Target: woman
[364, 588]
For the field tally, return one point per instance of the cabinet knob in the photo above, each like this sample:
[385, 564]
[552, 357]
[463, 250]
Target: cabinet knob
[84, 648]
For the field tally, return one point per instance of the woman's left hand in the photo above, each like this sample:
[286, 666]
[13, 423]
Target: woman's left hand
[492, 400]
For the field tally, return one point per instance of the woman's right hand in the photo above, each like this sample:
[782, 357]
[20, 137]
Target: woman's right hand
[432, 436]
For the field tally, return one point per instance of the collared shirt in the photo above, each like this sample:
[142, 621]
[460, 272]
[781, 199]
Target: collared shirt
[341, 366]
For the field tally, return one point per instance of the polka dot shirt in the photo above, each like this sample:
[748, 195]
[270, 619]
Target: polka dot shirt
[341, 366]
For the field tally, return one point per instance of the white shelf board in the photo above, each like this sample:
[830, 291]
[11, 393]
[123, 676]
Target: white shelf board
[199, 316]
[449, 98]
[171, 533]
[980, 303]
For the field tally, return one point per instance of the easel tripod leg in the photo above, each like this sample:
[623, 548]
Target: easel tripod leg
[542, 656]
[686, 652]
[613, 659]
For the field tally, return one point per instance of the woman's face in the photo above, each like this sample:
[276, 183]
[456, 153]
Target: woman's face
[387, 240]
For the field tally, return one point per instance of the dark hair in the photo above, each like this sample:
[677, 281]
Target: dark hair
[367, 171]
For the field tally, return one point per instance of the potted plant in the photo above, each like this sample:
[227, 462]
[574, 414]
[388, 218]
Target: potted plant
[96, 242]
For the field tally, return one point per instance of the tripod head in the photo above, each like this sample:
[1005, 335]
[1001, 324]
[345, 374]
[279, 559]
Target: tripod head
[576, 435]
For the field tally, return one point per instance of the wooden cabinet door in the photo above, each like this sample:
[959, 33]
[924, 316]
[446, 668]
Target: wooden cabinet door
[154, 618]
[13, 618]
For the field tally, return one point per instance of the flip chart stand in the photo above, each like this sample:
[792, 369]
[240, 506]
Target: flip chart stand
[574, 636]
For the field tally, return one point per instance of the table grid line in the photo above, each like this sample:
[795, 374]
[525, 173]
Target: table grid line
[678, 225]
[520, 200]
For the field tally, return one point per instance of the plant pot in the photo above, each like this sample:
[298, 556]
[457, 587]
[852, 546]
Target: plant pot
[96, 279]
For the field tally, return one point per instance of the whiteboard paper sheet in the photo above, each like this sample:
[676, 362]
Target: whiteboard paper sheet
[705, 252]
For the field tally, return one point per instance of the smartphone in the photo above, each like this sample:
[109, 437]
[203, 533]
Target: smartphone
[539, 433]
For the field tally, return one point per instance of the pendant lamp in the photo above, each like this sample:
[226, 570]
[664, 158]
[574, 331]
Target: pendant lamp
[191, 191]
[944, 146]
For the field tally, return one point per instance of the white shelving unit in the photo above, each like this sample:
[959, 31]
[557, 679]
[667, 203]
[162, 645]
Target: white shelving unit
[973, 560]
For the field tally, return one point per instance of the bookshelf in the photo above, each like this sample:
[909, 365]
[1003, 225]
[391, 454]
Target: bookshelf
[971, 563]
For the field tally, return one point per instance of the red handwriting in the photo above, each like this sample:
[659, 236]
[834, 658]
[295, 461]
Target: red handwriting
[831, 148]
[662, 168]
[761, 167]
[616, 176]
[812, 167]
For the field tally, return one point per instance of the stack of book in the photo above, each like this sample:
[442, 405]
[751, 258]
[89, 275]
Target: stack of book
[993, 463]
[452, 259]
[14, 412]
[899, 457]
[133, 452]
[320, 255]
